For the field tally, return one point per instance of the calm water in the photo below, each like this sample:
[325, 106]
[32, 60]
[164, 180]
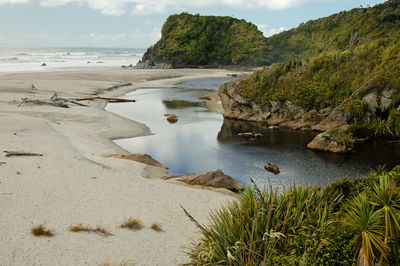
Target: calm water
[202, 140]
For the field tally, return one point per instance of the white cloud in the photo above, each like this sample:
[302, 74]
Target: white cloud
[269, 31]
[13, 1]
[106, 37]
[145, 7]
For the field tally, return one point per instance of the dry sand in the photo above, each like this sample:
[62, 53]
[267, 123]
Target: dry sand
[73, 183]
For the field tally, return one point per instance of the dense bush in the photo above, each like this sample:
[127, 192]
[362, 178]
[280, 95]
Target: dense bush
[203, 40]
[337, 224]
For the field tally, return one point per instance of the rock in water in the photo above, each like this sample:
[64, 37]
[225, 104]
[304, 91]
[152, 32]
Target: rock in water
[44, 64]
[138, 157]
[172, 118]
[216, 179]
[272, 168]
[326, 142]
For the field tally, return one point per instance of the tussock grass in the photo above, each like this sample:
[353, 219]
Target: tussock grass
[156, 227]
[132, 224]
[98, 230]
[122, 263]
[42, 231]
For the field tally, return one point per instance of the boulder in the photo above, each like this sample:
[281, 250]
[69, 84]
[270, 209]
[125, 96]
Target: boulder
[272, 168]
[138, 157]
[216, 179]
[326, 142]
[250, 135]
[172, 118]
[44, 64]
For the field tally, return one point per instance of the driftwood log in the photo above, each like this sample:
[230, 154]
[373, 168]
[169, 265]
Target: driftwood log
[1, 163]
[109, 99]
[17, 153]
[41, 102]
[58, 101]
[56, 98]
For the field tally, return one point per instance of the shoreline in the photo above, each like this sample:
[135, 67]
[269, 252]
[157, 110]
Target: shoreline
[72, 183]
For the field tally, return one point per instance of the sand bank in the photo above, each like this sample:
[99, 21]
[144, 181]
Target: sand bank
[73, 183]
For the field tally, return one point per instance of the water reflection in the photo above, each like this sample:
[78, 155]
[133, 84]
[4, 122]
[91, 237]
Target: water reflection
[202, 140]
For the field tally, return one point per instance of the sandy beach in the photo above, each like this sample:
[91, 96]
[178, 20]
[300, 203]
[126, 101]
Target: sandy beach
[72, 183]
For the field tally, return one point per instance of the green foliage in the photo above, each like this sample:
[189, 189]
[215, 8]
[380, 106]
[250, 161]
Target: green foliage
[342, 137]
[324, 225]
[366, 224]
[215, 40]
[384, 128]
[357, 109]
[344, 56]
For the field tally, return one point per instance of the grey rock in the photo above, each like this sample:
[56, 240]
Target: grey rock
[325, 142]
[216, 179]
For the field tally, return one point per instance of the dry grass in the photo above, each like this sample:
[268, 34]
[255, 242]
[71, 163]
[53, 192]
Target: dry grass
[98, 230]
[132, 224]
[42, 231]
[156, 227]
[122, 263]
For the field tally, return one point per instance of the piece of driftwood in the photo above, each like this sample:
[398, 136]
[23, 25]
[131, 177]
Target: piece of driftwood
[119, 86]
[109, 99]
[17, 153]
[1, 163]
[41, 102]
[56, 98]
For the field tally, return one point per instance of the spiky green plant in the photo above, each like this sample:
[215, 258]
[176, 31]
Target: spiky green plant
[385, 196]
[367, 226]
[252, 229]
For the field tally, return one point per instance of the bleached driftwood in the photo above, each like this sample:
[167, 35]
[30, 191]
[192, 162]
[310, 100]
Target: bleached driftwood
[18, 153]
[56, 98]
[41, 102]
[109, 99]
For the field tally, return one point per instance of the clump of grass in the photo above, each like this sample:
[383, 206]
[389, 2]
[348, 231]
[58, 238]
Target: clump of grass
[156, 227]
[19, 173]
[42, 231]
[98, 230]
[132, 224]
[122, 263]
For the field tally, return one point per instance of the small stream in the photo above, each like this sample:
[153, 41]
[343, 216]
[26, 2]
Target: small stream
[202, 140]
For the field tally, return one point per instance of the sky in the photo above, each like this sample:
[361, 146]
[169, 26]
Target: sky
[137, 23]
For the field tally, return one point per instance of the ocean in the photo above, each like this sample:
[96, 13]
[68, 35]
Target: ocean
[31, 59]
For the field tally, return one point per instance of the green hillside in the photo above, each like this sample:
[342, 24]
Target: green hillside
[208, 40]
[341, 31]
[336, 56]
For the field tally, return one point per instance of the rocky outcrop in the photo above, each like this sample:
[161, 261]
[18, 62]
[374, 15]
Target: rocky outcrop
[336, 141]
[216, 179]
[151, 60]
[380, 103]
[138, 157]
[284, 114]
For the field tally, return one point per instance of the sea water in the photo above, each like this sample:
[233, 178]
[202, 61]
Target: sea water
[31, 59]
